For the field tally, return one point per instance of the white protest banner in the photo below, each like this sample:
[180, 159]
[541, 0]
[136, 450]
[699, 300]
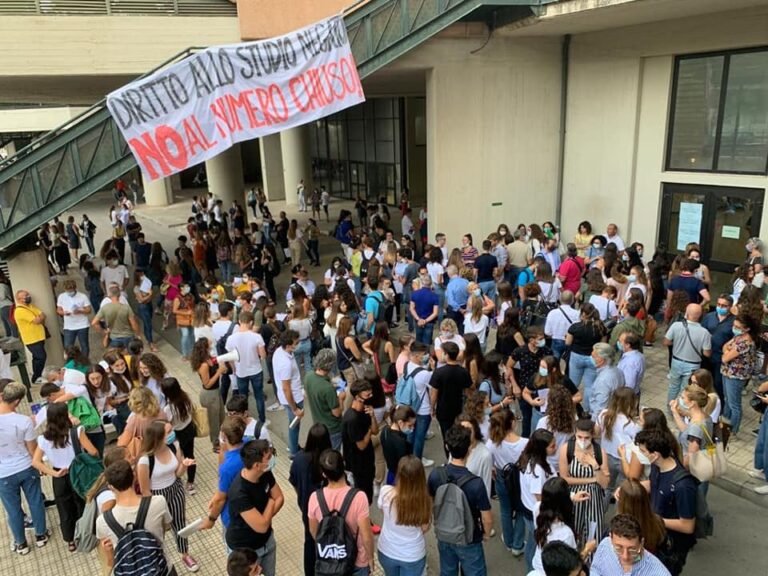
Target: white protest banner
[199, 107]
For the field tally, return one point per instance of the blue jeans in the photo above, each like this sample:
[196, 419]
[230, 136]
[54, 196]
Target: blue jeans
[336, 440]
[303, 354]
[581, 370]
[226, 270]
[257, 384]
[512, 524]
[440, 293]
[488, 288]
[145, 313]
[10, 493]
[424, 333]
[361, 571]
[732, 408]
[187, 340]
[761, 448]
[679, 374]
[407, 308]
[293, 433]
[81, 336]
[558, 347]
[471, 559]
[120, 341]
[420, 433]
[394, 567]
[535, 417]
[530, 543]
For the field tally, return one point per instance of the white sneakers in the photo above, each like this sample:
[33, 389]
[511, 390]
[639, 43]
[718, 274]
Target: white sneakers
[427, 462]
[755, 473]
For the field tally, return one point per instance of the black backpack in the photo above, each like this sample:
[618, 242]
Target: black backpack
[383, 307]
[221, 344]
[705, 523]
[365, 264]
[335, 544]
[571, 450]
[137, 550]
[511, 477]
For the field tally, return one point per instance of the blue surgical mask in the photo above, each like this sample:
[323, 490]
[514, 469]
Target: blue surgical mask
[476, 292]
[619, 347]
[543, 372]
[541, 343]
[272, 463]
[682, 405]
[632, 278]
[488, 410]
[171, 438]
[737, 331]
[594, 362]
[425, 360]
[721, 311]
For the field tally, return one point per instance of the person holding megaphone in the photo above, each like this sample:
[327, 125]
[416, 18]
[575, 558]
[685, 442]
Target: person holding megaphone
[251, 350]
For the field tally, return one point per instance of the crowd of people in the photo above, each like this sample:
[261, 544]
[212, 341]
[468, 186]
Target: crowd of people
[529, 353]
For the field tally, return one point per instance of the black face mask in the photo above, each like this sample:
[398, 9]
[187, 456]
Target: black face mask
[368, 401]
[28, 300]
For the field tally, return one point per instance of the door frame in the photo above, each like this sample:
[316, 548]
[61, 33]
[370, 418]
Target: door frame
[711, 193]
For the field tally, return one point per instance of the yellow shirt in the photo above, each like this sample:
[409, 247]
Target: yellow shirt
[581, 239]
[29, 332]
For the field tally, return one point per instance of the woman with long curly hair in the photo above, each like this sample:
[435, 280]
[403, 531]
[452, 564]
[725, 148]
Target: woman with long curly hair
[560, 419]
[145, 409]
[56, 443]
[406, 508]
[210, 374]
[119, 376]
[537, 388]
[151, 374]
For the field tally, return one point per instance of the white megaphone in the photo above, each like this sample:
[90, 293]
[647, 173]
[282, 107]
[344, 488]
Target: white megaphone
[233, 356]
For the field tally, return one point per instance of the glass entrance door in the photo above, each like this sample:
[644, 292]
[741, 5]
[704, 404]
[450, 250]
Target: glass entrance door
[720, 219]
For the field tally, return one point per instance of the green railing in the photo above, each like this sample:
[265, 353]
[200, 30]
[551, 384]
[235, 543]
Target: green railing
[85, 155]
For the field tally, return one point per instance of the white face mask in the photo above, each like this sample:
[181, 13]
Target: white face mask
[583, 444]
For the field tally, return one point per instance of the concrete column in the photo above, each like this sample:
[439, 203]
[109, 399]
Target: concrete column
[29, 271]
[294, 144]
[225, 176]
[159, 192]
[272, 167]
[10, 148]
[175, 184]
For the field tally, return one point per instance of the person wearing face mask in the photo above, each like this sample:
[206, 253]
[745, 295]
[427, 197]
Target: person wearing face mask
[159, 471]
[528, 357]
[736, 368]
[608, 379]
[673, 493]
[622, 552]
[325, 403]
[30, 322]
[183, 310]
[595, 251]
[74, 307]
[254, 498]
[358, 426]
[397, 439]
[114, 272]
[719, 322]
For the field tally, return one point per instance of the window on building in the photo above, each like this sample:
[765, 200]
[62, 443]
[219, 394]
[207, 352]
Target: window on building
[719, 117]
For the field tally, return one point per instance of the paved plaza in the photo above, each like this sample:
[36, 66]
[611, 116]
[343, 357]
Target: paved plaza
[735, 539]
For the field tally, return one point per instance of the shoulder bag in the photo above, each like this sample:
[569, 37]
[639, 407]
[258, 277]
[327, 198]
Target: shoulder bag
[710, 461]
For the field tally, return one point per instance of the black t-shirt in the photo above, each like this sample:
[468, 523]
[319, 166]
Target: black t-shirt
[243, 496]
[566, 382]
[301, 479]
[529, 361]
[133, 229]
[584, 338]
[143, 252]
[450, 381]
[354, 427]
[674, 500]
[474, 490]
[484, 264]
[395, 446]
[507, 344]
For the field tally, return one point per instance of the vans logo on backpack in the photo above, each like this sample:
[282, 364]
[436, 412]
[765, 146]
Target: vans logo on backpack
[332, 551]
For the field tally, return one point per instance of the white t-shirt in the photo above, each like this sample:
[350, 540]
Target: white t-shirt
[206, 332]
[107, 300]
[117, 275]
[70, 304]
[250, 432]
[284, 367]
[406, 224]
[558, 532]
[606, 308]
[506, 452]
[220, 328]
[502, 312]
[531, 483]
[77, 390]
[624, 433]
[174, 419]
[559, 320]
[421, 380]
[480, 463]
[457, 339]
[402, 543]
[58, 457]
[247, 344]
[435, 270]
[550, 291]
[478, 328]
[15, 431]
[560, 439]
[163, 474]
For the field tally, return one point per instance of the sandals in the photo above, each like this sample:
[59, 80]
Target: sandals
[72, 547]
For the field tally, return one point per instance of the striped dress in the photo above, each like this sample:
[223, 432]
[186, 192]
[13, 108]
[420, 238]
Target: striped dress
[591, 510]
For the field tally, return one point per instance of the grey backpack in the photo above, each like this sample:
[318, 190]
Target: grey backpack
[85, 528]
[454, 523]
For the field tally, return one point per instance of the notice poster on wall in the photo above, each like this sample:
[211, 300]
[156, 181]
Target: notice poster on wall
[689, 224]
[197, 108]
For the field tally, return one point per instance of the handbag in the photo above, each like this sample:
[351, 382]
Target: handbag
[200, 419]
[709, 462]
[358, 368]
[386, 386]
[757, 404]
